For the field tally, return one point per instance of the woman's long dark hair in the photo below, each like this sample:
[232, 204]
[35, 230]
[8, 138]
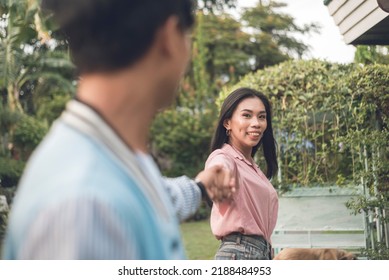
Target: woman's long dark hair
[269, 143]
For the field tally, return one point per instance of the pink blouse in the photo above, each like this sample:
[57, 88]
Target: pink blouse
[254, 207]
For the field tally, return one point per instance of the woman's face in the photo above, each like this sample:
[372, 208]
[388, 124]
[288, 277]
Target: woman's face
[247, 125]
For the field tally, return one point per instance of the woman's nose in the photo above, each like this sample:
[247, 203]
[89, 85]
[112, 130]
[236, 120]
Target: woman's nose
[255, 122]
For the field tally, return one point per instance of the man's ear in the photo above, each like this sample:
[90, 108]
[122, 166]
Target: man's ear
[168, 37]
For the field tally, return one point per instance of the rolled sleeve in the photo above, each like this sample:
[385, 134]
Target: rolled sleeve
[185, 196]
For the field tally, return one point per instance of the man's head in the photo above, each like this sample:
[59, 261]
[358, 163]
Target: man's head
[109, 35]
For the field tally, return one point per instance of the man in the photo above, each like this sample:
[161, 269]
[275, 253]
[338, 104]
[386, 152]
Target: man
[91, 190]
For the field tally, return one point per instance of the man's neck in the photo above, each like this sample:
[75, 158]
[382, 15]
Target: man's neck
[124, 101]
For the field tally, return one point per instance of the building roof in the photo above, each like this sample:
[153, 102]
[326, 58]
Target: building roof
[361, 22]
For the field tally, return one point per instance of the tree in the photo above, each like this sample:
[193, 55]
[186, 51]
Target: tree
[27, 64]
[260, 37]
[227, 46]
[372, 54]
[215, 5]
[272, 34]
[30, 69]
[13, 31]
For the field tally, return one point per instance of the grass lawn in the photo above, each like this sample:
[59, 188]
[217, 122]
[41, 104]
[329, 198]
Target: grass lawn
[199, 242]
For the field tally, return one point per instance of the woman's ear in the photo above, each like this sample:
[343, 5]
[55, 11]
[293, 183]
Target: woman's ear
[226, 124]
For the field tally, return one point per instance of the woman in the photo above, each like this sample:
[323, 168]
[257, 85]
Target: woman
[245, 223]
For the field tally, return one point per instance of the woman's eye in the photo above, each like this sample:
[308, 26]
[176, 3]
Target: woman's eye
[247, 115]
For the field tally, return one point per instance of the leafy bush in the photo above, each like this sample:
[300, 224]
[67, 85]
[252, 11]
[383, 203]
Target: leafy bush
[3, 226]
[52, 108]
[202, 213]
[181, 140]
[8, 119]
[28, 134]
[10, 172]
[381, 252]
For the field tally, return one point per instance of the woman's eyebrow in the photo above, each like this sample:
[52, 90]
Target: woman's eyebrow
[250, 111]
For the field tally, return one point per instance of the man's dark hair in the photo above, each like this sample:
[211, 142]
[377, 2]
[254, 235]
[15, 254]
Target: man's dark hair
[107, 35]
[268, 141]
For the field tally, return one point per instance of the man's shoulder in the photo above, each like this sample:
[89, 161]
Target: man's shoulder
[65, 148]
[68, 163]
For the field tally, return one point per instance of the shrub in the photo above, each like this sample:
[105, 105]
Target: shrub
[10, 172]
[3, 226]
[28, 134]
[53, 108]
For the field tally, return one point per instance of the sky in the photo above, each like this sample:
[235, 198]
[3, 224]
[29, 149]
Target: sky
[328, 44]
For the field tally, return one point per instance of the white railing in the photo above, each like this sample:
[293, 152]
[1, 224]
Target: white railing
[352, 239]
